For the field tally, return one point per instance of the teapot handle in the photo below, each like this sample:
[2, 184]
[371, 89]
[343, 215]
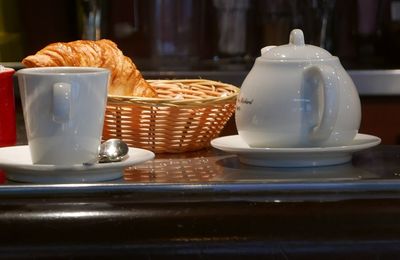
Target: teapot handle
[325, 76]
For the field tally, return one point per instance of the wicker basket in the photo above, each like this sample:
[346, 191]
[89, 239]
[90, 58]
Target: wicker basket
[186, 115]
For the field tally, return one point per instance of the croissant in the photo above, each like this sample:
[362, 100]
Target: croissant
[126, 79]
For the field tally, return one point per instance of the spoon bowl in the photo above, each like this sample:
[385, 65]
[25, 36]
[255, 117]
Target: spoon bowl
[112, 150]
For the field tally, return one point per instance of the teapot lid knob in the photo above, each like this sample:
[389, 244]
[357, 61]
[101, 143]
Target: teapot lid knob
[296, 49]
[296, 37]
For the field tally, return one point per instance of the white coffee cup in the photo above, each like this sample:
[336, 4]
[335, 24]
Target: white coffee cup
[64, 112]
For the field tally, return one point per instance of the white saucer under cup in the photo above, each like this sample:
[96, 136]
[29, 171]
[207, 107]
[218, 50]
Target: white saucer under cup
[16, 161]
[293, 157]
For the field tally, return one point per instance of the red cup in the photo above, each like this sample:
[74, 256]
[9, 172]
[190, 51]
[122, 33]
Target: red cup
[8, 132]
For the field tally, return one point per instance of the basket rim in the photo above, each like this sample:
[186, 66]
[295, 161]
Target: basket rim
[117, 99]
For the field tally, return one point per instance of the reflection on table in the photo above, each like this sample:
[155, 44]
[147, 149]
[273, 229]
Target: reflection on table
[208, 205]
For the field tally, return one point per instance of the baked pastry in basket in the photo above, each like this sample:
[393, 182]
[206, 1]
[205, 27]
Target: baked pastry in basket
[126, 79]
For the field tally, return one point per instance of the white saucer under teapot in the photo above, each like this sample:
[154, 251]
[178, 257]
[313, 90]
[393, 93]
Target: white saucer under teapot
[297, 95]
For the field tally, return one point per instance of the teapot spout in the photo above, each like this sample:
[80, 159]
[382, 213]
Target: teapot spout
[266, 49]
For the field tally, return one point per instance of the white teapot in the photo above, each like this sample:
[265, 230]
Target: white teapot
[297, 95]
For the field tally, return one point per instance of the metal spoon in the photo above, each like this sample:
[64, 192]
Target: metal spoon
[112, 150]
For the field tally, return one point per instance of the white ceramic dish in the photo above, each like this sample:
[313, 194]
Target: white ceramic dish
[293, 157]
[17, 163]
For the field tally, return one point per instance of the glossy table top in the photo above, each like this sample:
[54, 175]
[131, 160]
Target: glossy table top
[207, 205]
[211, 171]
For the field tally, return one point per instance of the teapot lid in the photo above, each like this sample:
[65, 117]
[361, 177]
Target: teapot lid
[295, 50]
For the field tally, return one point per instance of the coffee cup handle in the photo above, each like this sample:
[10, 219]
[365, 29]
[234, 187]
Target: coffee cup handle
[61, 102]
[330, 85]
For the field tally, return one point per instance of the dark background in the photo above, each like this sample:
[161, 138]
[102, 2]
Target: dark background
[365, 34]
